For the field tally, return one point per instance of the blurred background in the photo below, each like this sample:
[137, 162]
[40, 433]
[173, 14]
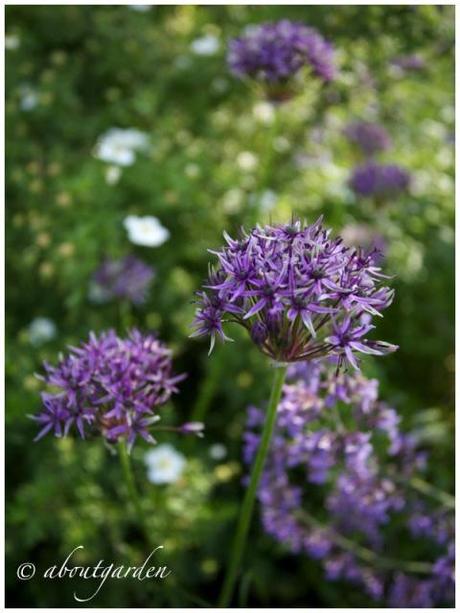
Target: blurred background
[205, 153]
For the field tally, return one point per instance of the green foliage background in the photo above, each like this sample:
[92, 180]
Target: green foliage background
[94, 68]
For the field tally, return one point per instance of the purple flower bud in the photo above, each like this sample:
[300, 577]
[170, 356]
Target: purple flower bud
[259, 332]
[192, 427]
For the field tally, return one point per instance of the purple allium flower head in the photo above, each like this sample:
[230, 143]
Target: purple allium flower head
[370, 137]
[379, 180]
[108, 385]
[336, 431]
[127, 278]
[274, 52]
[299, 293]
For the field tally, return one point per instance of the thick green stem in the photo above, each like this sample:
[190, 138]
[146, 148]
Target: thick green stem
[129, 480]
[244, 521]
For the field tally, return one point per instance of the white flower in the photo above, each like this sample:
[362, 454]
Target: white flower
[28, 98]
[112, 175]
[12, 42]
[146, 231]
[247, 160]
[164, 464]
[206, 45]
[218, 451]
[41, 330]
[119, 146]
[264, 112]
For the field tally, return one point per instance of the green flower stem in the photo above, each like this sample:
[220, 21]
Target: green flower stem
[430, 490]
[125, 461]
[130, 483]
[423, 487]
[239, 540]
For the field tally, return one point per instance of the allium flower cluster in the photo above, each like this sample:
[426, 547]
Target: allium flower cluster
[127, 278]
[298, 292]
[108, 386]
[275, 52]
[379, 180]
[328, 443]
[369, 137]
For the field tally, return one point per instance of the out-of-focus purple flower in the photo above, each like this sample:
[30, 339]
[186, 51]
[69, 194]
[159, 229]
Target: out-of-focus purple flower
[379, 180]
[274, 52]
[370, 137]
[409, 62]
[368, 238]
[354, 457]
[411, 592]
[299, 293]
[435, 526]
[108, 385]
[127, 278]
[444, 566]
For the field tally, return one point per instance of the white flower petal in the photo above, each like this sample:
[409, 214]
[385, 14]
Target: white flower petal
[146, 231]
